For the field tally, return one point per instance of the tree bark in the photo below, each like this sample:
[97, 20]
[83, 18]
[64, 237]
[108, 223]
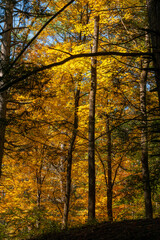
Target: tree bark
[91, 147]
[62, 170]
[69, 163]
[154, 30]
[109, 169]
[5, 59]
[144, 143]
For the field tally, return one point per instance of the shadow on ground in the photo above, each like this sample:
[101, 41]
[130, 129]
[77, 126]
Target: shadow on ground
[125, 230]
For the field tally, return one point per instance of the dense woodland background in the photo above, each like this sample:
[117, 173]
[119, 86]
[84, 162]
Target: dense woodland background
[79, 113]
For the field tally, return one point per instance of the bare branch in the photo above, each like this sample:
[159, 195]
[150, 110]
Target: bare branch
[37, 34]
[55, 64]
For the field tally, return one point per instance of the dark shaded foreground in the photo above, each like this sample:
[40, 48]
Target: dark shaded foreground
[125, 230]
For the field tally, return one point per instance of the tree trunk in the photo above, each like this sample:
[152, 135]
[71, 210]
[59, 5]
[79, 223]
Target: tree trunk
[91, 147]
[109, 168]
[144, 143]
[62, 171]
[154, 30]
[39, 193]
[5, 59]
[69, 163]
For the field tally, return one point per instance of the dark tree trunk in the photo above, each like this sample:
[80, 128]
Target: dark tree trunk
[39, 193]
[69, 163]
[154, 30]
[144, 143]
[109, 168]
[5, 59]
[62, 170]
[3, 99]
[91, 147]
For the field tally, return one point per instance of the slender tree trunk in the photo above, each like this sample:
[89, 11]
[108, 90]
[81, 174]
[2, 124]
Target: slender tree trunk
[5, 59]
[39, 192]
[69, 163]
[109, 169]
[154, 30]
[62, 171]
[144, 143]
[40, 181]
[3, 98]
[91, 147]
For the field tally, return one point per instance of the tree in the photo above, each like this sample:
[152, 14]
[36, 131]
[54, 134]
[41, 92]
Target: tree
[91, 136]
[144, 141]
[5, 61]
[109, 167]
[153, 7]
[69, 161]
[7, 67]
[144, 138]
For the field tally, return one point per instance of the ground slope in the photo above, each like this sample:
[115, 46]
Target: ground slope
[125, 230]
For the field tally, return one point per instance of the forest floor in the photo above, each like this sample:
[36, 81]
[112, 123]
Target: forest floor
[125, 230]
